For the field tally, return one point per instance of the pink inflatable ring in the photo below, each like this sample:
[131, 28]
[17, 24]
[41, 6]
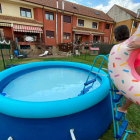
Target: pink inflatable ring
[122, 71]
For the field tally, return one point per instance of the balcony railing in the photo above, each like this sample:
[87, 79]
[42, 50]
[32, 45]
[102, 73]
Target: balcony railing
[29, 39]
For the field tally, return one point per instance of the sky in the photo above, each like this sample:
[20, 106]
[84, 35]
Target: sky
[105, 5]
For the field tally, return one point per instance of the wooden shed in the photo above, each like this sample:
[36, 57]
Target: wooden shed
[94, 51]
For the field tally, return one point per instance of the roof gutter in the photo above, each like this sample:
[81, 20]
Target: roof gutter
[65, 10]
[111, 34]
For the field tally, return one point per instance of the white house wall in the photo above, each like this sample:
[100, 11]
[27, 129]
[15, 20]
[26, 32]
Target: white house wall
[121, 15]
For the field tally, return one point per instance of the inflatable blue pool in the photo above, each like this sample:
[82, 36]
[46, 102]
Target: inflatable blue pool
[40, 101]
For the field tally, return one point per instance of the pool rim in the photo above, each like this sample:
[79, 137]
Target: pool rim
[26, 109]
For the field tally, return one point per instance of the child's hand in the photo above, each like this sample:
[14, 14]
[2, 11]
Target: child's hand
[134, 45]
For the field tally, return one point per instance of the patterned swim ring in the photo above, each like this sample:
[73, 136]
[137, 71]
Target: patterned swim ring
[122, 71]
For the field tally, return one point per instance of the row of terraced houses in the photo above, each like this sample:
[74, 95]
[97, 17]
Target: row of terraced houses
[52, 22]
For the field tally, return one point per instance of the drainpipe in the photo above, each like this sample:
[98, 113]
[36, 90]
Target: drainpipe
[56, 22]
[132, 27]
[71, 28]
[12, 32]
[104, 30]
[43, 23]
[62, 22]
[111, 33]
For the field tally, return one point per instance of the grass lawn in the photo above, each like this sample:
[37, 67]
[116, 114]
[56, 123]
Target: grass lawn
[133, 115]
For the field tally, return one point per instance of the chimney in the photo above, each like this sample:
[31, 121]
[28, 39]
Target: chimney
[138, 13]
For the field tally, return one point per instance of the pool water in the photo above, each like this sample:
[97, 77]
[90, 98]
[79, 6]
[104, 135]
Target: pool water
[48, 85]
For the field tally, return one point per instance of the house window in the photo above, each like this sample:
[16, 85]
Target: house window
[0, 9]
[67, 19]
[80, 22]
[50, 34]
[96, 13]
[105, 39]
[49, 15]
[107, 26]
[24, 47]
[94, 25]
[135, 24]
[66, 36]
[74, 7]
[25, 12]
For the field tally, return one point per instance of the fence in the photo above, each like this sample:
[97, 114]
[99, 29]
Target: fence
[5, 54]
[104, 48]
[85, 53]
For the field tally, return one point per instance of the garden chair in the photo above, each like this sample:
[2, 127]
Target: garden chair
[77, 53]
[17, 54]
[45, 53]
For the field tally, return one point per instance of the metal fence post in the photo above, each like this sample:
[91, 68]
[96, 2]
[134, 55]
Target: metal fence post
[2, 57]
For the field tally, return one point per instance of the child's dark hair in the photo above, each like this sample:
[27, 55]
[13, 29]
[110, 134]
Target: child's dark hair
[121, 33]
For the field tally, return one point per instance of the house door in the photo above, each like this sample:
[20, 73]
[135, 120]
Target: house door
[78, 39]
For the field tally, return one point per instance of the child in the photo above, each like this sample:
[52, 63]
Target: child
[121, 33]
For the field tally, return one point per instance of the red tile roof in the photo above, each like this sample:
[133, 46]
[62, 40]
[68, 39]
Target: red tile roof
[19, 19]
[88, 29]
[133, 14]
[81, 10]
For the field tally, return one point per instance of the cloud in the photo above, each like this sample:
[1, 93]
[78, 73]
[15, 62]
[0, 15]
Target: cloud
[124, 3]
[89, 3]
[73, 1]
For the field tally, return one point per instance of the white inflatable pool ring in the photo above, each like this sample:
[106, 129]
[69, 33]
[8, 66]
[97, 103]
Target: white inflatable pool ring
[122, 71]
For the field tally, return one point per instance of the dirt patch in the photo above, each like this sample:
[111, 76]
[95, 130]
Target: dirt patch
[34, 60]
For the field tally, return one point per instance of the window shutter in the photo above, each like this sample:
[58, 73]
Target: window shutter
[67, 19]
[50, 33]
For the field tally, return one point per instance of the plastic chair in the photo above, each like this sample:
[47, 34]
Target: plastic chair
[77, 53]
[17, 54]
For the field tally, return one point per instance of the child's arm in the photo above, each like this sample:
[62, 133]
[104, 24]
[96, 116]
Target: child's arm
[134, 45]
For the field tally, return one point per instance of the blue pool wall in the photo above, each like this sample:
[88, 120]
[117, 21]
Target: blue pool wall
[89, 124]
[51, 109]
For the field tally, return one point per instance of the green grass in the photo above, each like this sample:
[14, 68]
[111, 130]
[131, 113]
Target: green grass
[133, 115]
